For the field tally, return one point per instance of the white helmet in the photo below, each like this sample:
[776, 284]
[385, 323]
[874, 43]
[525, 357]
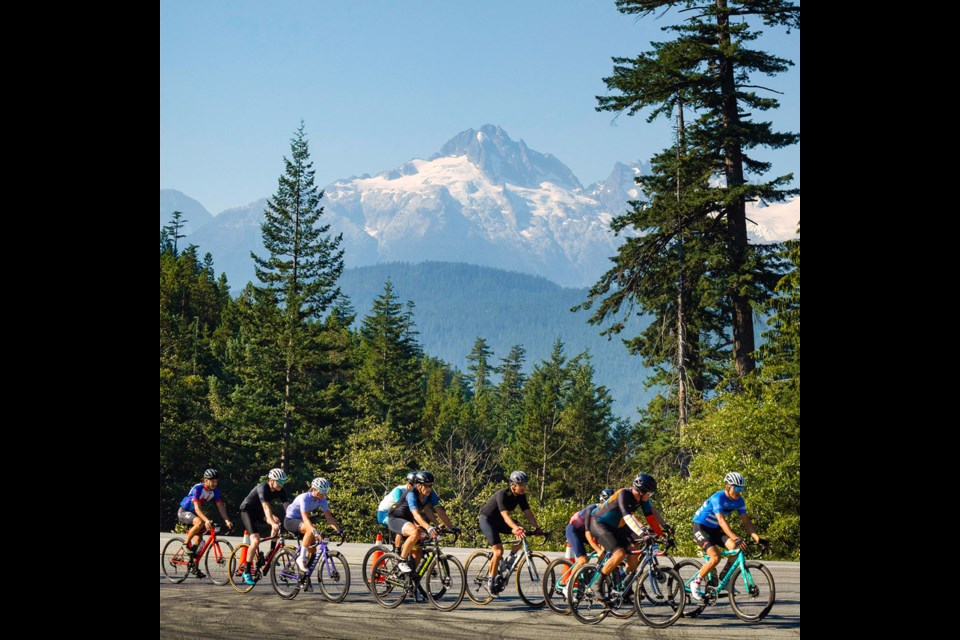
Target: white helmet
[278, 475]
[321, 484]
[734, 478]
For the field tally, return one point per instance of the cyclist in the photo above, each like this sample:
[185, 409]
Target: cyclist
[258, 517]
[390, 498]
[191, 513]
[607, 522]
[495, 519]
[711, 529]
[298, 521]
[578, 535]
[414, 511]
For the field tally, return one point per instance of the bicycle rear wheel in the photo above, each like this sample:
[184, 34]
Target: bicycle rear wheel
[688, 570]
[477, 569]
[365, 566]
[284, 575]
[392, 589]
[333, 577]
[446, 583]
[659, 596]
[234, 570]
[752, 592]
[174, 560]
[218, 562]
[530, 572]
[553, 585]
[585, 602]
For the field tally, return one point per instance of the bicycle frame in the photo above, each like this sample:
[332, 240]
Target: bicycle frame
[515, 545]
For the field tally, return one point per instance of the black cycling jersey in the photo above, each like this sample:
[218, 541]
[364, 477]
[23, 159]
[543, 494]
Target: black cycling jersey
[260, 494]
[618, 505]
[503, 500]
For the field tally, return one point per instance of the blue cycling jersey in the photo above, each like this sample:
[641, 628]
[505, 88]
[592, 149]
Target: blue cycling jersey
[306, 502]
[413, 502]
[718, 503]
[201, 495]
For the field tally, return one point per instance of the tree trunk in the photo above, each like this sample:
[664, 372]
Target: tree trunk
[743, 345]
[681, 321]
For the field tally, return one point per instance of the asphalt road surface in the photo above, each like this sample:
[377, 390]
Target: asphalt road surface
[199, 609]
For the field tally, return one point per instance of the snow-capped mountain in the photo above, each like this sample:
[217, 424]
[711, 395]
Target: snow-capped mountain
[483, 199]
[193, 212]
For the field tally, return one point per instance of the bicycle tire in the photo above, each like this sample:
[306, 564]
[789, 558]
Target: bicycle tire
[586, 607]
[623, 604]
[477, 568]
[688, 570]
[334, 579]
[174, 561]
[452, 583]
[392, 590]
[365, 567]
[284, 575]
[552, 577]
[530, 571]
[659, 597]
[218, 561]
[752, 602]
[233, 568]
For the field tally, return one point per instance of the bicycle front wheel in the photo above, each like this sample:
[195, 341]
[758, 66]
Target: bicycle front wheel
[688, 570]
[235, 572]
[752, 592]
[366, 565]
[659, 596]
[585, 602]
[530, 572]
[284, 575]
[218, 562]
[478, 570]
[446, 583]
[388, 584]
[333, 577]
[555, 579]
[174, 560]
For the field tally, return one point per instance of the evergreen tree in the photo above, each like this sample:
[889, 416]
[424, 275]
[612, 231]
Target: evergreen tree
[509, 395]
[299, 276]
[171, 231]
[479, 368]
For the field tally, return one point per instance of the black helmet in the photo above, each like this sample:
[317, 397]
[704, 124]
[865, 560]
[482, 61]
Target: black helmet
[645, 483]
[412, 477]
[519, 477]
[424, 477]
[606, 493]
[211, 474]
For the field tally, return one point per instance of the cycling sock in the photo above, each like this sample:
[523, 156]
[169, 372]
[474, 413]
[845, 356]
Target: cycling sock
[303, 554]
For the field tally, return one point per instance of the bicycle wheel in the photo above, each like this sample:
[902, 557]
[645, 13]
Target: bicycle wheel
[688, 570]
[530, 572]
[218, 561]
[284, 575]
[477, 569]
[752, 592]
[446, 583]
[585, 601]
[619, 589]
[174, 560]
[234, 572]
[553, 585]
[392, 589]
[333, 577]
[365, 567]
[659, 596]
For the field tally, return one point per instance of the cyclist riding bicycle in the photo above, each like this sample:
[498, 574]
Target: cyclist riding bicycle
[578, 534]
[417, 510]
[711, 529]
[298, 521]
[608, 520]
[257, 516]
[191, 513]
[495, 519]
[391, 498]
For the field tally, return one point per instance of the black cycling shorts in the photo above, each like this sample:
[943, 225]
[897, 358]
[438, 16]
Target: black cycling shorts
[611, 538]
[707, 537]
[253, 524]
[492, 528]
[186, 517]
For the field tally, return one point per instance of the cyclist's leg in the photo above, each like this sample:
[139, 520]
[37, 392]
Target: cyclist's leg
[491, 529]
[195, 523]
[410, 534]
[613, 539]
[250, 526]
[577, 549]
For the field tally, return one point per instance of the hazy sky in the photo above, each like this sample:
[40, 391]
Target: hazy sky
[378, 83]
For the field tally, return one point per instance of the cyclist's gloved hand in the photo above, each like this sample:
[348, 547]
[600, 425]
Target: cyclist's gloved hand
[432, 531]
[519, 532]
[740, 542]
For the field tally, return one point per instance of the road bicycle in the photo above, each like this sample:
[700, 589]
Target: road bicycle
[178, 562]
[439, 576]
[748, 584]
[530, 567]
[260, 565]
[333, 574]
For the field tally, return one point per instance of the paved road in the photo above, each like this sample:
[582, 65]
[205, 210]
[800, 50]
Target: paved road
[198, 609]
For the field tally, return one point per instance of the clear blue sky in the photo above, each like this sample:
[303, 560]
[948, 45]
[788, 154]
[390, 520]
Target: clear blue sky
[379, 83]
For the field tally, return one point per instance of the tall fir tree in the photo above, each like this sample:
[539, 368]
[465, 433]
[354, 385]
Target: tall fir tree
[509, 393]
[299, 275]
